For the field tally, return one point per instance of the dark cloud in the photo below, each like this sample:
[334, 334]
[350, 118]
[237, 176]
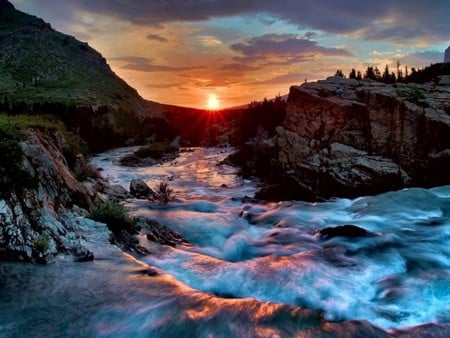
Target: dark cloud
[143, 64]
[283, 45]
[330, 16]
[431, 18]
[311, 35]
[156, 37]
[395, 34]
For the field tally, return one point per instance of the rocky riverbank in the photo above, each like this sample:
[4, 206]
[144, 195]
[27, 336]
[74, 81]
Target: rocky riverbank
[50, 217]
[346, 138]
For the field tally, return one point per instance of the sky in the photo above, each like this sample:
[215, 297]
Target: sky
[225, 53]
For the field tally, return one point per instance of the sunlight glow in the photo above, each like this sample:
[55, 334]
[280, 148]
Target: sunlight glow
[213, 102]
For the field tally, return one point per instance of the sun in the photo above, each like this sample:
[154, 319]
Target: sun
[213, 102]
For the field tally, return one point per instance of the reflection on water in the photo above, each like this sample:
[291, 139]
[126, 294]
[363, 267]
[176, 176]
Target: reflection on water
[254, 270]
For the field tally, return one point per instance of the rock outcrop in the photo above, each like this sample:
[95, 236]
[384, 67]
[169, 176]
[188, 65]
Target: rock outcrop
[343, 137]
[447, 55]
[48, 218]
[140, 189]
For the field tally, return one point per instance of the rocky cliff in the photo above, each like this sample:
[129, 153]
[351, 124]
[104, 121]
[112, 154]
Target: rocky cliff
[343, 137]
[50, 216]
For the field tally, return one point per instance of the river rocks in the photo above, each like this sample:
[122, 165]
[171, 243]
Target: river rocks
[159, 233]
[81, 254]
[348, 230]
[118, 192]
[345, 138]
[140, 189]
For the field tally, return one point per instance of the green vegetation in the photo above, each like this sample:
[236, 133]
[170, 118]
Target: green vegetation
[74, 143]
[163, 192]
[115, 215]
[41, 243]
[39, 122]
[72, 73]
[410, 93]
[46, 72]
[156, 150]
[12, 175]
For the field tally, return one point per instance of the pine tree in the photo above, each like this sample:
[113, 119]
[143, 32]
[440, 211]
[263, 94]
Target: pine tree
[339, 73]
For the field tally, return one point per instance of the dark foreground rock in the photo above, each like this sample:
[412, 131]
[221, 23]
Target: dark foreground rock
[346, 138]
[348, 230]
[45, 219]
[159, 233]
[154, 231]
[139, 189]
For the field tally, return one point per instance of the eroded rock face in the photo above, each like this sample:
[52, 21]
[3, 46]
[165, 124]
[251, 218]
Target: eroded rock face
[343, 137]
[39, 222]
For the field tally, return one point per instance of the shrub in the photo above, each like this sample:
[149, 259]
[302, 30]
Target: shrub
[12, 175]
[75, 145]
[115, 216]
[156, 150]
[163, 193]
[411, 93]
[41, 243]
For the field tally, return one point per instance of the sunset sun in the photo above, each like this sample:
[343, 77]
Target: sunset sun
[213, 102]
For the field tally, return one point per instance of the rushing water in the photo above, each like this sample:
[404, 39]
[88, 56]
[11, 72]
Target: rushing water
[253, 270]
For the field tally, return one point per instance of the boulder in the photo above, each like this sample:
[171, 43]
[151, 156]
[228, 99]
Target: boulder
[139, 189]
[159, 233]
[116, 191]
[348, 230]
[81, 254]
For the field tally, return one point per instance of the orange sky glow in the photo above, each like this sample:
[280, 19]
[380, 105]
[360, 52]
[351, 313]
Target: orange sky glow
[185, 52]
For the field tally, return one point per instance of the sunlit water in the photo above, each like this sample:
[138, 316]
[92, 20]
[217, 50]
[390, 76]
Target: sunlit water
[253, 270]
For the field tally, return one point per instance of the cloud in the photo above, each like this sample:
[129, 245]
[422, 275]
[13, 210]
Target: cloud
[143, 64]
[288, 78]
[376, 20]
[156, 37]
[163, 85]
[239, 67]
[422, 59]
[397, 34]
[283, 45]
[342, 16]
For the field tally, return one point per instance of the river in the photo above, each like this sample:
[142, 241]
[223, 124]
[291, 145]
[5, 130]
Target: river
[252, 270]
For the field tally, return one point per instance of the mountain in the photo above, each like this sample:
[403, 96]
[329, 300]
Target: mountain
[43, 71]
[39, 64]
[447, 55]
